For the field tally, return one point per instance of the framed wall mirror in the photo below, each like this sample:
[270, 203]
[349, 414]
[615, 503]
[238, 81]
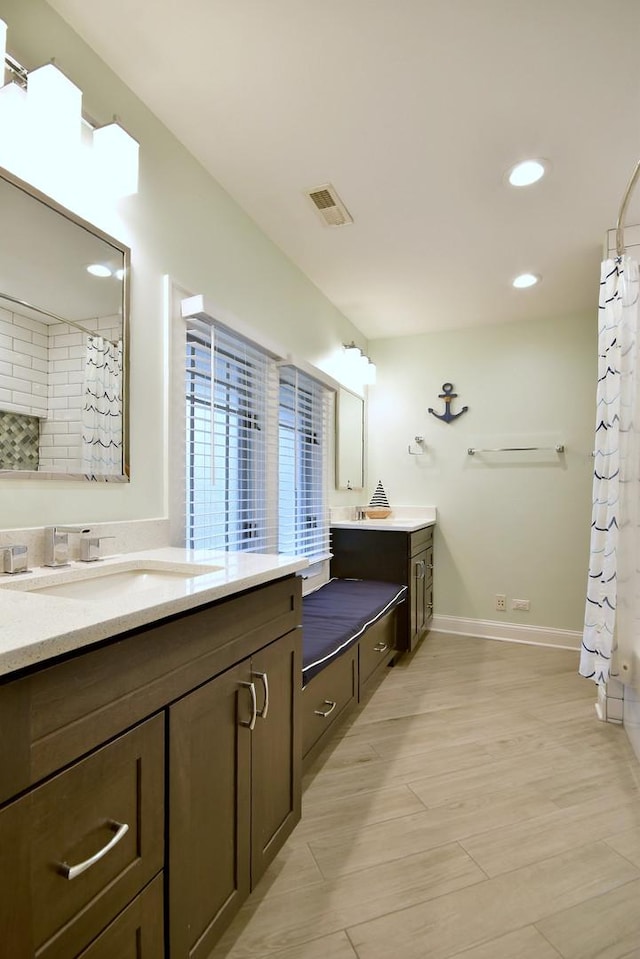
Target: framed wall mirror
[64, 307]
[349, 440]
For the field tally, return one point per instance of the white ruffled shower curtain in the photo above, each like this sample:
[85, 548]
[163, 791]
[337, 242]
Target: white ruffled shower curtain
[102, 410]
[611, 615]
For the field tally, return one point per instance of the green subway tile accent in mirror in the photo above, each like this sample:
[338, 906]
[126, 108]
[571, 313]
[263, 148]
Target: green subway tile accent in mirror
[19, 440]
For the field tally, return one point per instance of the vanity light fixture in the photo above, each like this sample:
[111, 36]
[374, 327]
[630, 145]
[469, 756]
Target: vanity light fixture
[45, 140]
[527, 172]
[525, 280]
[97, 269]
[352, 351]
[369, 374]
[360, 362]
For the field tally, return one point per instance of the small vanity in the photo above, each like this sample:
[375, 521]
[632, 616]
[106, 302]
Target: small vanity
[151, 749]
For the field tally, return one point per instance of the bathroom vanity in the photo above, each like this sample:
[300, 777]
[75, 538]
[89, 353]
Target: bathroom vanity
[150, 758]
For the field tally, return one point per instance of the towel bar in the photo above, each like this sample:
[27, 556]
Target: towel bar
[559, 448]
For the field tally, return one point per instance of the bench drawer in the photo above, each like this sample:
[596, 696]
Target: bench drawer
[377, 647]
[326, 697]
[66, 822]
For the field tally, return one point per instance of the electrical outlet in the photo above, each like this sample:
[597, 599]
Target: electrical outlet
[501, 601]
[521, 604]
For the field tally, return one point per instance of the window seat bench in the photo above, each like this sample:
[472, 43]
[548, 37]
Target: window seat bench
[349, 634]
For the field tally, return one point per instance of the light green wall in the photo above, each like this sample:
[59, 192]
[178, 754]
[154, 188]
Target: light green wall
[181, 223]
[507, 523]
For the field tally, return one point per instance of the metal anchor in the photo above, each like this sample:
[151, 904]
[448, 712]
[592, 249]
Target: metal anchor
[448, 395]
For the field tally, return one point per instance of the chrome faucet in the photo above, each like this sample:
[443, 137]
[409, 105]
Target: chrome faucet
[90, 546]
[56, 544]
[15, 559]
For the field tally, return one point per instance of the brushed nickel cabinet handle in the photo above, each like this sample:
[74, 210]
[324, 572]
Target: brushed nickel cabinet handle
[254, 706]
[262, 713]
[328, 702]
[380, 648]
[70, 872]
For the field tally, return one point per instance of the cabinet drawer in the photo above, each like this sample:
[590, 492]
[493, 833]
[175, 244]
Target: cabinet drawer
[377, 646]
[68, 821]
[137, 933]
[327, 695]
[421, 539]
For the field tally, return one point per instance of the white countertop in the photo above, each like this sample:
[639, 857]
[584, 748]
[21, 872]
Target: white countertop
[404, 519]
[406, 525]
[35, 627]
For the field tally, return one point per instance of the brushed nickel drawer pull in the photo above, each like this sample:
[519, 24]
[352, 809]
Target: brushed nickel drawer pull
[380, 648]
[254, 706]
[262, 713]
[70, 872]
[328, 702]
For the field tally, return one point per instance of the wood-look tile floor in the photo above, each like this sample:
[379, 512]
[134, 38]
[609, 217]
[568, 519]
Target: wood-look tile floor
[472, 807]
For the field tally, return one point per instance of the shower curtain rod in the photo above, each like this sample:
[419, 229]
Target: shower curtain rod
[54, 316]
[623, 210]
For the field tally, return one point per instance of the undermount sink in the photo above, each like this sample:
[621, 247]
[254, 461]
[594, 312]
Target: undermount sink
[112, 582]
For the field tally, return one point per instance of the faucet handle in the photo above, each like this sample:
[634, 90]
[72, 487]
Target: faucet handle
[90, 547]
[16, 559]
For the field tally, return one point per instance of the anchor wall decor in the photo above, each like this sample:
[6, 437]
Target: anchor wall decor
[448, 395]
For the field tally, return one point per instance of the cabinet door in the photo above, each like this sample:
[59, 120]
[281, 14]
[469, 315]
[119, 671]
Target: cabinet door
[209, 811]
[276, 762]
[417, 598]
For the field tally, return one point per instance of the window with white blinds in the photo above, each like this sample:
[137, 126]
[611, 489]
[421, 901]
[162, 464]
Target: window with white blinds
[303, 523]
[231, 412]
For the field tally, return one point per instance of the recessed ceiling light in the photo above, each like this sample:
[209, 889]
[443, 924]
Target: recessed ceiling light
[119, 274]
[97, 269]
[527, 172]
[524, 280]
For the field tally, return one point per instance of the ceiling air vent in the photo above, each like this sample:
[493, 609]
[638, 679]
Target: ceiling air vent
[330, 206]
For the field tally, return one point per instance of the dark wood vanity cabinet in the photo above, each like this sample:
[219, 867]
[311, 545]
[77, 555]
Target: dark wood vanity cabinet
[151, 731]
[393, 556]
[235, 790]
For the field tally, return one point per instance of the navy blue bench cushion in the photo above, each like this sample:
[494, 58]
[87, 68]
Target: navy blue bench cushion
[336, 614]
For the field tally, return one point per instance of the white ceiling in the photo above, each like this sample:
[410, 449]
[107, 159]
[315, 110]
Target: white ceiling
[413, 110]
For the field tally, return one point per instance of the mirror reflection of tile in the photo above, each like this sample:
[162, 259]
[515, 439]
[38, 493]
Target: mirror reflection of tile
[19, 441]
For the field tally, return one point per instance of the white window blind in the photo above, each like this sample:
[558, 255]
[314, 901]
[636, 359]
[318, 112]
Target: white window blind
[231, 404]
[303, 437]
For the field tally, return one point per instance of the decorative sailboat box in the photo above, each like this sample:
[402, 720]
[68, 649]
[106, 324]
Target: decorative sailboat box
[378, 507]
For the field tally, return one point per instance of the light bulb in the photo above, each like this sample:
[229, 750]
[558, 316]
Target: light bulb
[525, 280]
[527, 172]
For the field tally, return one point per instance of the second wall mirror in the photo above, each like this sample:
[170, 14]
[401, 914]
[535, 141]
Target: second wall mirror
[349, 440]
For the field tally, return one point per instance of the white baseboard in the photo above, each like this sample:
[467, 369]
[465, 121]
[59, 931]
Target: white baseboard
[507, 632]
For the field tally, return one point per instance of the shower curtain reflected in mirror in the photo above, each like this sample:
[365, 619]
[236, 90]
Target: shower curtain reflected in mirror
[611, 639]
[102, 410]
